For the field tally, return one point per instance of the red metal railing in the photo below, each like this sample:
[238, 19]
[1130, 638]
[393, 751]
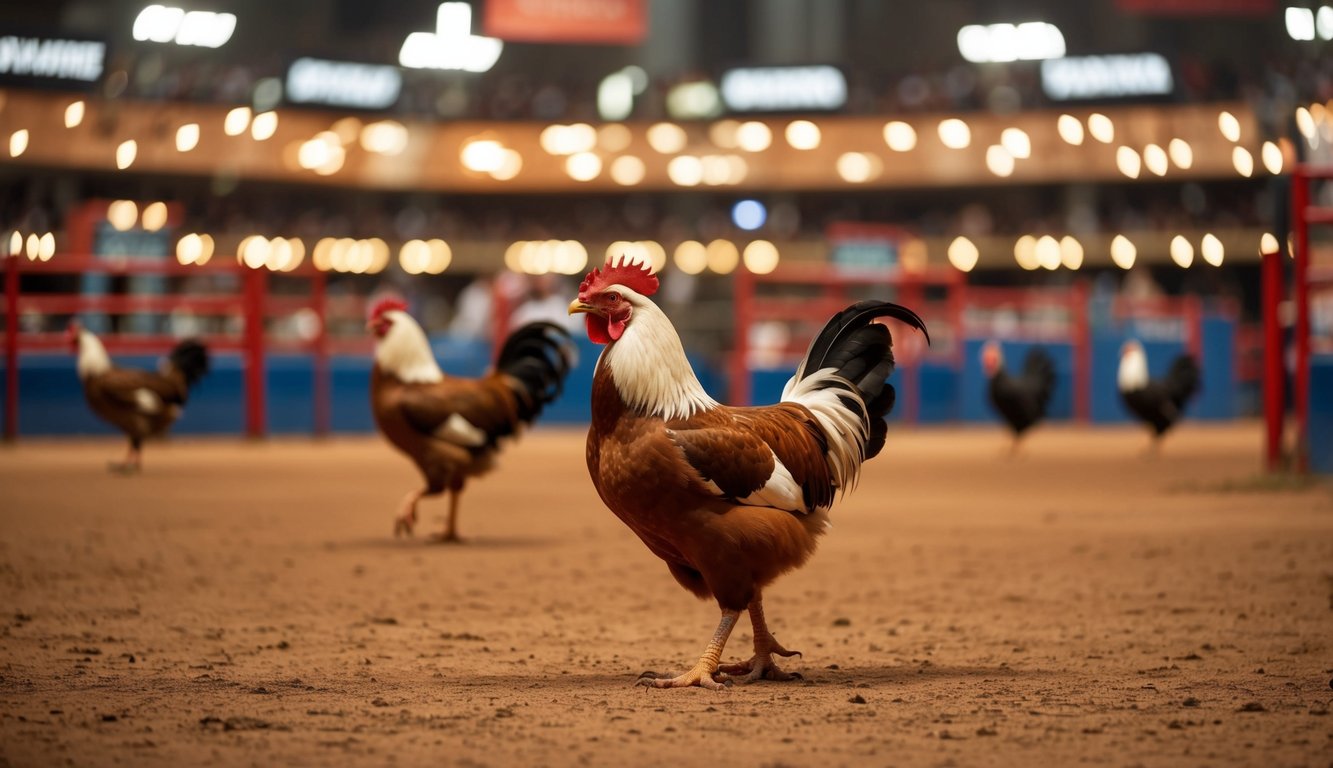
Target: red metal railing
[251, 301]
[1303, 216]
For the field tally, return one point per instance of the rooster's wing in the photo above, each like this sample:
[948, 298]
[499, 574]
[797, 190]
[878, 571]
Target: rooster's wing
[772, 456]
[467, 412]
[143, 392]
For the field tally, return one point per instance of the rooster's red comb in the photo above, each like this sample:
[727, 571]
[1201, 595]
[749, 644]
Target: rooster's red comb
[633, 275]
[386, 305]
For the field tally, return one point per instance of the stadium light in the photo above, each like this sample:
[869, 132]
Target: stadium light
[452, 45]
[166, 24]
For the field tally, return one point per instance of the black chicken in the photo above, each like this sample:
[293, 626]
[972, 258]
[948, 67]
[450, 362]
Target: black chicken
[1159, 403]
[1021, 399]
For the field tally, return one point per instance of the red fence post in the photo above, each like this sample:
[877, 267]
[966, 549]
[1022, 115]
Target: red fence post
[1078, 306]
[1274, 376]
[740, 354]
[323, 394]
[1194, 331]
[1300, 200]
[11, 348]
[256, 286]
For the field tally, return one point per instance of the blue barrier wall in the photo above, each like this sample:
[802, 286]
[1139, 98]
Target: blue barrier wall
[51, 402]
[1321, 414]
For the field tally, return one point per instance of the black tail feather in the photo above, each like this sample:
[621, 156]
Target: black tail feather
[1039, 371]
[1182, 381]
[861, 352]
[538, 356]
[190, 357]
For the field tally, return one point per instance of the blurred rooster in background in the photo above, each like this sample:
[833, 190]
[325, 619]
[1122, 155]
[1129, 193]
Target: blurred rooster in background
[1159, 403]
[1022, 400]
[730, 498]
[141, 404]
[451, 427]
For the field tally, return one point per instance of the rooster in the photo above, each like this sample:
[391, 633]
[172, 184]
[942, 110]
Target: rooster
[1158, 403]
[451, 427]
[730, 498]
[1022, 400]
[142, 404]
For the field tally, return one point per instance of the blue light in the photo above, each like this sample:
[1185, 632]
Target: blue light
[749, 214]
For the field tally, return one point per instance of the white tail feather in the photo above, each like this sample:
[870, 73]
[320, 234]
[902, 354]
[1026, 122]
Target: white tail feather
[848, 430]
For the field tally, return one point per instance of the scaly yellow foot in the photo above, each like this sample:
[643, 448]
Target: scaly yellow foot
[700, 675]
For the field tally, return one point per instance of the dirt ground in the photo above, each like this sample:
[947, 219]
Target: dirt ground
[246, 604]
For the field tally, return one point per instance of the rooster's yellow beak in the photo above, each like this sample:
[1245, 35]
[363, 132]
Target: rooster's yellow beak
[576, 306]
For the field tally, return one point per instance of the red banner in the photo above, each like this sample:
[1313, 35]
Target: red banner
[1198, 7]
[616, 22]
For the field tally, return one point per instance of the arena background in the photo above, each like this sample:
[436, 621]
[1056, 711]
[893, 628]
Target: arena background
[1063, 176]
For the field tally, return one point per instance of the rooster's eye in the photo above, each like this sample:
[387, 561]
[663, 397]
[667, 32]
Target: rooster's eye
[613, 297]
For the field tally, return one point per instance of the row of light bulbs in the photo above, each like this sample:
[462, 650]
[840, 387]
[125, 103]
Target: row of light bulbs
[432, 257]
[325, 153]
[384, 137]
[1046, 252]
[36, 247]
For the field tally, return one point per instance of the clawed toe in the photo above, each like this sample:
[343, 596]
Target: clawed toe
[695, 677]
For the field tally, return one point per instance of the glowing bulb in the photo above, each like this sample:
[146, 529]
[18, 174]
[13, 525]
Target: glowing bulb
[1272, 156]
[954, 133]
[264, 126]
[1229, 125]
[74, 114]
[1071, 252]
[1182, 253]
[1181, 153]
[1267, 243]
[1155, 160]
[900, 136]
[1123, 252]
[1101, 128]
[802, 134]
[1243, 160]
[125, 154]
[154, 216]
[18, 142]
[627, 170]
[1211, 250]
[691, 257]
[1070, 129]
[1025, 252]
[583, 166]
[187, 137]
[999, 161]
[1016, 141]
[236, 121]
[1128, 161]
[753, 136]
[761, 257]
[666, 138]
[963, 254]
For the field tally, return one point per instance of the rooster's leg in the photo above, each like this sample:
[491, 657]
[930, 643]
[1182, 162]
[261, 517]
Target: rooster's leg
[407, 514]
[131, 462]
[450, 533]
[761, 665]
[702, 673]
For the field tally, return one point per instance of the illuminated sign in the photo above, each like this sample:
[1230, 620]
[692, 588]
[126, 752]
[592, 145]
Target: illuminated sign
[777, 89]
[452, 45]
[343, 84]
[165, 24]
[1099, 77]
[1030, 41]
[52, 58]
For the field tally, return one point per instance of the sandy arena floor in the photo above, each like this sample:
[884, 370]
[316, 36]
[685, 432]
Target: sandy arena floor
[246, 604]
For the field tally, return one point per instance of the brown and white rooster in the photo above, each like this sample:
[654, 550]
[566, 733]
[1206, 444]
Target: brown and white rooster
[142, 404]
[730, 498]
[451, 427]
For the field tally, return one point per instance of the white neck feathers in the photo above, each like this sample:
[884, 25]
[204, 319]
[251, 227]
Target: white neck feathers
[93, 359]
[1133, 373]
[649, 366]
[405, 352]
